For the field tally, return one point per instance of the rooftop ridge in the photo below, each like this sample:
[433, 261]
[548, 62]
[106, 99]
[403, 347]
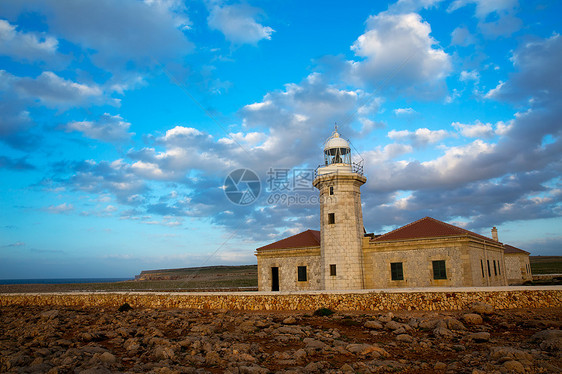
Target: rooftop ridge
[454, 229]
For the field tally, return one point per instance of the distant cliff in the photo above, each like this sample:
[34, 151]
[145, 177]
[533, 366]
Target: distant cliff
[206, 273]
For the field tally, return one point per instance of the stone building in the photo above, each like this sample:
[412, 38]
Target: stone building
[517, 265]
[341, 256]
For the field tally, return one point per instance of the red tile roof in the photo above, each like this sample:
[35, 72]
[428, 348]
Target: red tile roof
[511, 249]
[308, 238]
[426, 228]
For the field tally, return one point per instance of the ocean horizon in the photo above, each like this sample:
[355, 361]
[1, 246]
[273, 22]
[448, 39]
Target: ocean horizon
[62, 280]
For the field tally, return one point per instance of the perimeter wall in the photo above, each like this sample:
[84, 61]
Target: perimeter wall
[546, 297]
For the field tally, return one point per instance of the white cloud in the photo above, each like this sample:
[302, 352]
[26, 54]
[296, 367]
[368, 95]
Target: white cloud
[462, 36]
[472, 75]
[503, 24]
[398, 47]
[238, 24]
[113, 33]
[108, 128]
[404, 111]
[59, 209]
[25, 46]
[420, 137]
[55, 91]
[477, 130]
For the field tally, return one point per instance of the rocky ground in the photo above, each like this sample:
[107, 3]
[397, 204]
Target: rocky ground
[66, 340]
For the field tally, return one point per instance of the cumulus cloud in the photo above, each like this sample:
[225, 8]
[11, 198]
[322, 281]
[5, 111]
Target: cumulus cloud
[109, 32]
[25, 46]
[496, 17]
[404, 111]
[472, 75]
[461, 36]
[107, 128]
[238, 23]
[54, 91]
[537, 74]
[477, 130]
[421, 137]
[398, 47]
[486, 182]
[60, 209]
[15, 164]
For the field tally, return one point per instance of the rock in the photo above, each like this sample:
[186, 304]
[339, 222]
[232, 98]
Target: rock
[347, 369]
[479, 337]
[314, 344]
[392, 325]
[549, 340]
[427, 324]
[472, 318]
[365, 349]
[386, 317]
[405, 338]
[96, 370]
[131, 344]
[254, 369]
[162, 352]
[373, 325]
[314, 367]
[482, 308]
[454, 324]
[440, 365]
[514, 367]
[108, 358]
[290, 321]
[508, 353]
[442, 332]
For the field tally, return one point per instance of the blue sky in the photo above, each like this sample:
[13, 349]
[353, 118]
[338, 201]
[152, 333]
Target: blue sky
[120, 120]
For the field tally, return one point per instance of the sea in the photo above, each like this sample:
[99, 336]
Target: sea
[62, 280]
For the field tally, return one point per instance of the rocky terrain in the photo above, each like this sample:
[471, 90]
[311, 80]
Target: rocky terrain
[89, 340]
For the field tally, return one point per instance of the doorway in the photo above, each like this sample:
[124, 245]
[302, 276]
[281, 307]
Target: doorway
[275, 279]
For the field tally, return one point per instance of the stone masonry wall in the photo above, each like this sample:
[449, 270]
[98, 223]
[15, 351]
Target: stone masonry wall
[544, 297]
[288, 280]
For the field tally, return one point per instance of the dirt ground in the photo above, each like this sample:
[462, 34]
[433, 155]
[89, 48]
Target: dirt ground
[69, 340]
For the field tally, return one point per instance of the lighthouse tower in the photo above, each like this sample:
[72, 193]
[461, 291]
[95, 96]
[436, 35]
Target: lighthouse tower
[341, 219]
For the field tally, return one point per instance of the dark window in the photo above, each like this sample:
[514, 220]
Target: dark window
[396, 272]
[331, 190]
[489, 272]
[275, 278]
[499, 269]
[482, 267]
[333, 270]
[439, 271]
[302, 273]
[495, 269]
[331, 218]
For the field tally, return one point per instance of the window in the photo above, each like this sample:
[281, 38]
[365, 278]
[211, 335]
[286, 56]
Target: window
[489, 272]
[333, 270]
[302, 273]
[495, 269]
[396, 272]
[482, 267]
[499, 269]
[331, 190]
[439, 271]
[331, 218]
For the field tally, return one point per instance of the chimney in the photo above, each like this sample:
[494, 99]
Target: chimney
[495, 234]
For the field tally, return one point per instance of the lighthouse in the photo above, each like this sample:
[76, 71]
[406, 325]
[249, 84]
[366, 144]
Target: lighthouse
[341, 218]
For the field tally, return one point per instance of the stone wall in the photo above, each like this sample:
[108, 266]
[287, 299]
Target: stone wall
[288, 261]
[518, 268]
[466, 260]
[453, 299]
